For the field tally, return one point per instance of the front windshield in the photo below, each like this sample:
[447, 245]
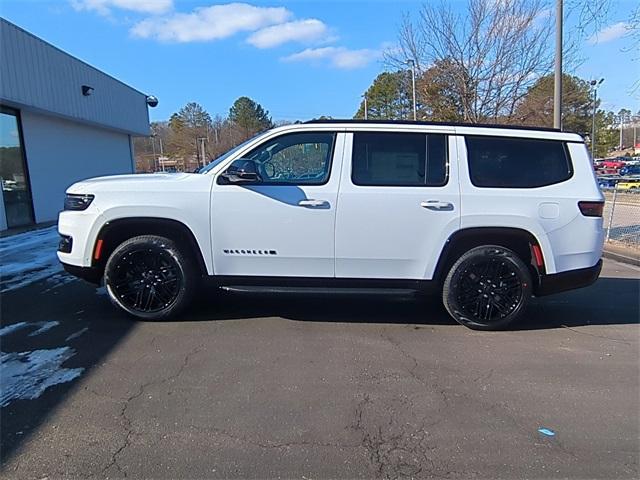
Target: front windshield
[223, 157]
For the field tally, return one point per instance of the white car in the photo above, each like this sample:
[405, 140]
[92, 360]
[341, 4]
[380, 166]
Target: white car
[488, 216]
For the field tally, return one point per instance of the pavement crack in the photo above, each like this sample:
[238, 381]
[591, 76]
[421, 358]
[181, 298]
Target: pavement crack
[128, 422]
[412, 371]
[619, 340]
[396, 448]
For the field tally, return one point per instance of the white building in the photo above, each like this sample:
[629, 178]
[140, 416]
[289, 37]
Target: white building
[61, 120]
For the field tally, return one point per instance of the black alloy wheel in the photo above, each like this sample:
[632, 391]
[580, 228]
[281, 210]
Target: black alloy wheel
[150, 278]
[488, 288]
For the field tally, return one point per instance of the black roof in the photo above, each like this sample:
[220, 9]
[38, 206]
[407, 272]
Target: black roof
[444, 124]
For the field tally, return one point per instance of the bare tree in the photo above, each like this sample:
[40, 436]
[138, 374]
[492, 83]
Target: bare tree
[590, 16]
[633, 32]
[496, 50]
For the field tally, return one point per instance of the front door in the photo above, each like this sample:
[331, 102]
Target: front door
[399, 202]
[283, 223]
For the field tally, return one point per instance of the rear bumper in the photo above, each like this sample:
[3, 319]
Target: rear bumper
[90, 274]
[569, 280]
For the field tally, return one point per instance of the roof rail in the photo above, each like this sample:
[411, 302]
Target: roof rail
[446, 124]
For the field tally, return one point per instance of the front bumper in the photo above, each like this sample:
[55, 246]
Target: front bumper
[90, 274]
[569, 280]
[81, 228]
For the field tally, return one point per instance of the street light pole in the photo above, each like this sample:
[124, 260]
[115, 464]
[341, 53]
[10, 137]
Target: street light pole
[366, 108]
[594, 84]
[557, 76]
[412, 64]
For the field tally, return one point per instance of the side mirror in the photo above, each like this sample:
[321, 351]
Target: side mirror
[242, 171]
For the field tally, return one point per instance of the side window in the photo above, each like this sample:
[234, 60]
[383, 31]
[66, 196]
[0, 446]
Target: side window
[296, 158]
[399, 159]
[503, 162]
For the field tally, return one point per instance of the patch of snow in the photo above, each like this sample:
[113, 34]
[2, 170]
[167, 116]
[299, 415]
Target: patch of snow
[76, 334]
[44, 327]
[58, 280]
[12, 328]
[26, 375]
[28, 257]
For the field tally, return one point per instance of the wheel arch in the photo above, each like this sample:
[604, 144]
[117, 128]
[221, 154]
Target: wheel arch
[520, 241]
[114, 232]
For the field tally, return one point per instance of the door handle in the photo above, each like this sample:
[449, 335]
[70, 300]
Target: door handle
[311, 203]
[437, 205]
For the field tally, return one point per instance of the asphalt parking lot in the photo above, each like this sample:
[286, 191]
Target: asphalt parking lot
[320, 387]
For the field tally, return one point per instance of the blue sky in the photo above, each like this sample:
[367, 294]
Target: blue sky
[299, 59]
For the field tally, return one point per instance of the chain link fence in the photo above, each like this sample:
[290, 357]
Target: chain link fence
[622, 216]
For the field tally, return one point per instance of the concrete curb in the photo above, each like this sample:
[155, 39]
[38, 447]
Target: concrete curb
[621, 258]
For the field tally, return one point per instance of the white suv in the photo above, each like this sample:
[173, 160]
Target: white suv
[489, 216]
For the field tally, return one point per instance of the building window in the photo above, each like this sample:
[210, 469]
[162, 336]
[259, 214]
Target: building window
[16, 193]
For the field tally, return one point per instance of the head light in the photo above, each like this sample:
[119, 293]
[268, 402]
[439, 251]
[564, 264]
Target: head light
[77, 202]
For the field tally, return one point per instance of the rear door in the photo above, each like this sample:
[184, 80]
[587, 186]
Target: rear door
[399, 201]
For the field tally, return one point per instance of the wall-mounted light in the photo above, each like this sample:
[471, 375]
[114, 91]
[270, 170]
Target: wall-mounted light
[87, 90]
[152, 101]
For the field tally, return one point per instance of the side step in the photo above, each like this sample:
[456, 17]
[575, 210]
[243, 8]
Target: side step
[317, 290]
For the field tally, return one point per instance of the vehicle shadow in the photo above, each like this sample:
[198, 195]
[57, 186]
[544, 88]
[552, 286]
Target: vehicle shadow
[609, 301]
[79, 329]
[76, 308]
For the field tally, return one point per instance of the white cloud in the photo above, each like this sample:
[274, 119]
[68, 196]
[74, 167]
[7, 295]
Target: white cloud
[210, 23]
[338, 57]
[308, 30]
[608, 34]
[103, 7]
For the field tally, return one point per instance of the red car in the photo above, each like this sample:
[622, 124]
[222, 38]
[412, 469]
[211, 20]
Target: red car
[611, 164]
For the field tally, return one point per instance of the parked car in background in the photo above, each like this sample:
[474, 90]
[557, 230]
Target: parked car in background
[608, 181]
[629, 184]
[608, 172]
[486, 216]
[630, 170]
[617, 164]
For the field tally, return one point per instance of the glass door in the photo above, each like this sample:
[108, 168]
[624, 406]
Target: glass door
[16, 193]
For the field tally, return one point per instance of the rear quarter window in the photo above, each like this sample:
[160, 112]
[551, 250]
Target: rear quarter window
[503, 162]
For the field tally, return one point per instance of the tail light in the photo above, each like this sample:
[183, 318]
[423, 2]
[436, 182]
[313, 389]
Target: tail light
[591, 209]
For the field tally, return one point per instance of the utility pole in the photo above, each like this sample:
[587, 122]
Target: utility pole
[557, 76]
[412, 64]
[366, 108]
[153, 148]
[621, 128]
[594, 84]
[202, 140]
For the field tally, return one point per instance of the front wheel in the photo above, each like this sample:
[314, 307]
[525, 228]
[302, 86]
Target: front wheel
[488, 288]
[150, 278]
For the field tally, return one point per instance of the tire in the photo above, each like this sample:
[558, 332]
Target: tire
[151, 278]
[488, 288]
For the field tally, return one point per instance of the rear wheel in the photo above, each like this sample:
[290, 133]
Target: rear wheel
[150, 277]
[488, 288]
